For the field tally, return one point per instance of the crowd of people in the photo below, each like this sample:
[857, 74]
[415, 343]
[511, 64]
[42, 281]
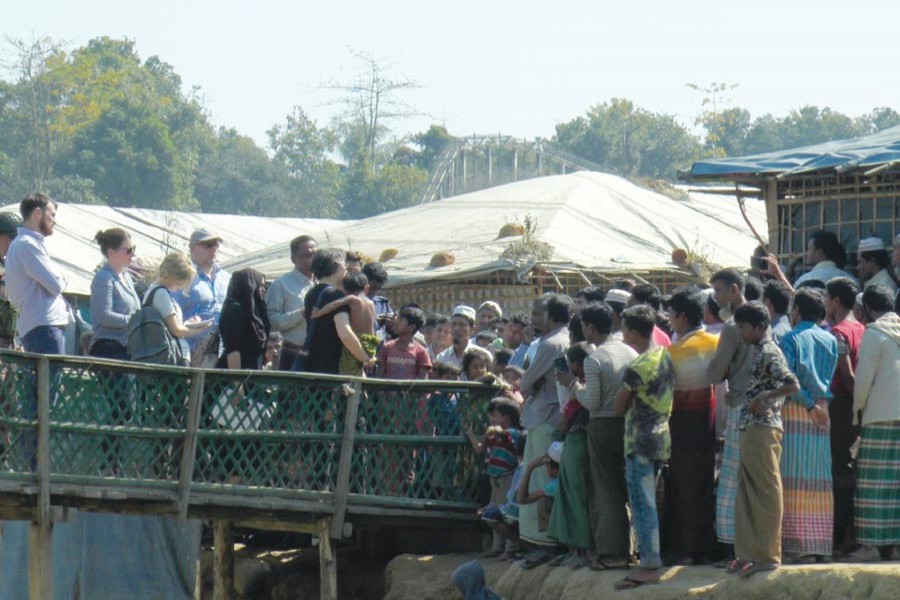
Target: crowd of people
[765, 406]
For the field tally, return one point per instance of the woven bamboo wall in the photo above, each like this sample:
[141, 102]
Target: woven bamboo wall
[852, 206]
[514, 296]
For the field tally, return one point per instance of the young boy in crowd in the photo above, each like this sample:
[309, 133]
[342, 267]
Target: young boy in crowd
[505, 518]
[759, 504]
[544, 495]
[403, 357]
[512, 376]
[500, 441]
[645, 398]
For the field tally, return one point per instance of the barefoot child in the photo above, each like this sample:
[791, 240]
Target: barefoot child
[544, 496]
[500, 441]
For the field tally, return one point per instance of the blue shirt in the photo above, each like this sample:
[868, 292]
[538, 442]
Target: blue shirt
[113, 301]
[204, 298]
[518, 357]
[35, 283]
[780, 328]
[812, 355]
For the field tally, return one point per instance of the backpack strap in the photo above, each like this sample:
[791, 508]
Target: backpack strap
[152, 295]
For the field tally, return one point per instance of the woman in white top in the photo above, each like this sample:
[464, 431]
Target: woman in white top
[175, 273]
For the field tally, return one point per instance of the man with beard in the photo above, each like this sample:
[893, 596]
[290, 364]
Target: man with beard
[34, 282]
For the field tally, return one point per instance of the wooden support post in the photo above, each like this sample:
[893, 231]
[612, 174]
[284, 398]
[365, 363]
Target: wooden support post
[345, 464]
[40, 550]
[189, 450]
[327, 563]
[223, 565]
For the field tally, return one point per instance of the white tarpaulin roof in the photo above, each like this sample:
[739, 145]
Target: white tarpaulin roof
[592, 221]
[158, 232]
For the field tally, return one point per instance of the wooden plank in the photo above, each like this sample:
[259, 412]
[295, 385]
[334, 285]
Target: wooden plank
[342, 489]
[268, 524]
[189, 451]
[40, 546]
[327, 563]
[223, 562]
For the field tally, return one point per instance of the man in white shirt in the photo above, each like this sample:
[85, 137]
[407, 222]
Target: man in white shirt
[462, 324]
[874, 264]
[823, 253]
[285, 300]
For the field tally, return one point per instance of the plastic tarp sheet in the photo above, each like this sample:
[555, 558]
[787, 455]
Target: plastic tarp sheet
[879, 148]
[107, 557]
[592, 221]
[158, 232]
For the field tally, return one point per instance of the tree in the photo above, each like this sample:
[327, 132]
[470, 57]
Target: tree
[628, 140]
[371, 99]
[302, 149]
[717, 122]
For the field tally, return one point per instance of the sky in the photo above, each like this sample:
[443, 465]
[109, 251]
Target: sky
[497, 66]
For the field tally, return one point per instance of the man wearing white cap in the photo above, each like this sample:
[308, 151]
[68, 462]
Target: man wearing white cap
[204, 297]
[874, 264]
[617, 300]
[462, 326]
[487, 312]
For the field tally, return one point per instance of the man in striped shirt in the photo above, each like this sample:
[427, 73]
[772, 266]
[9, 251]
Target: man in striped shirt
[690, 514]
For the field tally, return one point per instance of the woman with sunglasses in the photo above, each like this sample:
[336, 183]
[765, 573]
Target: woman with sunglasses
[113, 298]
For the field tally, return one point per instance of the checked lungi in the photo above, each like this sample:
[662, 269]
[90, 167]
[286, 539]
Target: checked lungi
[877, 500]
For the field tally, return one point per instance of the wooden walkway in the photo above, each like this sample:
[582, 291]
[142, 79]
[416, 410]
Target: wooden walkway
[265, 450]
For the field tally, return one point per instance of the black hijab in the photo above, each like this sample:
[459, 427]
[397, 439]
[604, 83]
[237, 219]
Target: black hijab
[246, 290]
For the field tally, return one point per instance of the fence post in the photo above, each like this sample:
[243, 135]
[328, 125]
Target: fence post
[189, 452]
[342, 488]
[40, 550]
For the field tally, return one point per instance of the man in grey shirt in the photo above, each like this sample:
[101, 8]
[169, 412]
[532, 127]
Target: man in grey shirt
[34, 282]
[285, 300]
[732, 362]
[541, 412]
[603, 371]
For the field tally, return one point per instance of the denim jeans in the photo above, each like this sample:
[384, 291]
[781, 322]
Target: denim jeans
[641, 475]
[45, 339]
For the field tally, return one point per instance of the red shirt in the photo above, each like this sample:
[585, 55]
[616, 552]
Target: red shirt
[402, 360]
[849, 335]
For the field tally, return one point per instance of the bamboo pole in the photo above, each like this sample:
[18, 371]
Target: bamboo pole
[223, 564]
[40, 550]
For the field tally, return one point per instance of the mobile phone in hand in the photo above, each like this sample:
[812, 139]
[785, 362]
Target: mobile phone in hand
[562, 366]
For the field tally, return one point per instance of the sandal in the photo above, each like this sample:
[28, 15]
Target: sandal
[629, 583]
[735, 566]
[751, 567]
[602, 564]
[558, 561]
[535, 560]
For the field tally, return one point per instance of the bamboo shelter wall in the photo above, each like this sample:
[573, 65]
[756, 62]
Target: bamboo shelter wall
[517, 296]
[851, 206]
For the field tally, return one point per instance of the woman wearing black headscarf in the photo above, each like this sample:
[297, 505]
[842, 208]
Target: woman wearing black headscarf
[244, 325]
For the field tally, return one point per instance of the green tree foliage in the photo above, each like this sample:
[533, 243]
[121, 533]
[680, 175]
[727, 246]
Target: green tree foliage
[629, 140]
[303, 150]
[235, 176]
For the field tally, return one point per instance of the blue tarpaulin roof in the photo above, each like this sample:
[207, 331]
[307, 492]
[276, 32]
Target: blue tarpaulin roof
[869, 151]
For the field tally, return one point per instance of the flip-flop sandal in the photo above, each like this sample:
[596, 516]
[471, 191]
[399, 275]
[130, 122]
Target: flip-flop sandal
[735, 566]
[535, 561]
[602, 565]
[629, 583]
[750, 568]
